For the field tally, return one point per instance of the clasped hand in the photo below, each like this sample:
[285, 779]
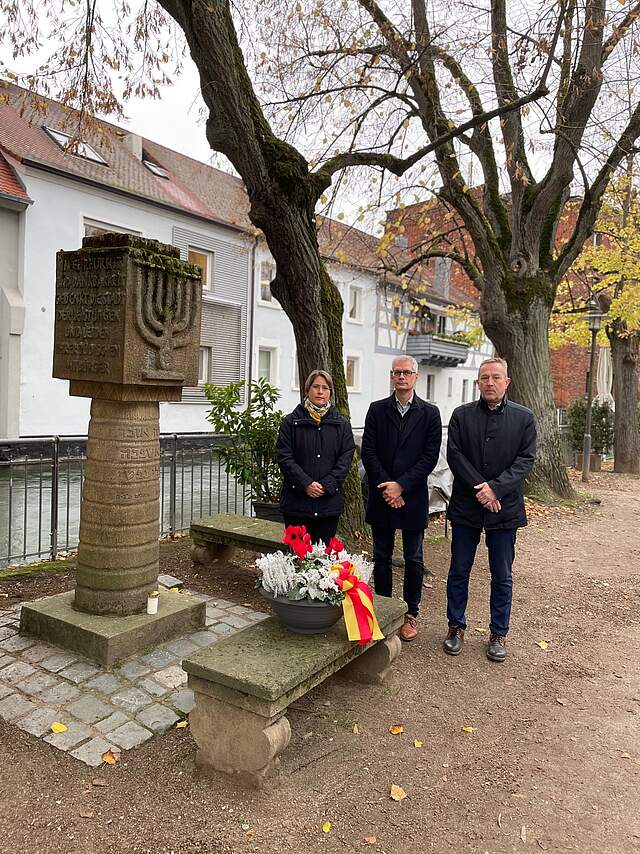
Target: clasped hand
[392, 493]
[487, 497]
[314, 490]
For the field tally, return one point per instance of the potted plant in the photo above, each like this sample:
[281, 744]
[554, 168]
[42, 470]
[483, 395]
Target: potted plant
[251, 433]
[310, 587]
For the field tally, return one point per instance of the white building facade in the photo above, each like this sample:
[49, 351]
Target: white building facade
[245, 333]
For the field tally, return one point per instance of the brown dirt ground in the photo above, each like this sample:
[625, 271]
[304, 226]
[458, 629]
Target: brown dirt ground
[553, 763]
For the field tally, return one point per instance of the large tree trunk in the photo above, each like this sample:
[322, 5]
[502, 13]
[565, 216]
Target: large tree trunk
[626, 442]
[520, 335]
[282, 196]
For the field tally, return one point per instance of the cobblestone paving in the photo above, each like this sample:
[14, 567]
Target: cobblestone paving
[116, 708]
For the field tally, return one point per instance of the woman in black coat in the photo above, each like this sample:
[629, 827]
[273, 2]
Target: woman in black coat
[315, 449]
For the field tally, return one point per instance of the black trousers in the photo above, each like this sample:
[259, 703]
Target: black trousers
[319, 527]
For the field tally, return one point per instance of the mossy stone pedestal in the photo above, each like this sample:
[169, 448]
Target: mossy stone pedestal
[127, 332]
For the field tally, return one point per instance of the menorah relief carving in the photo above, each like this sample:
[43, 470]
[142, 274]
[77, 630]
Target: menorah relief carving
[166, 312]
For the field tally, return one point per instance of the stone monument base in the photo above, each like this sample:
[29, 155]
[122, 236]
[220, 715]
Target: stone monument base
[107, 639]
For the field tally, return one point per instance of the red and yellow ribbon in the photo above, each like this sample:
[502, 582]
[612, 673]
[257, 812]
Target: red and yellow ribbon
[357, 605]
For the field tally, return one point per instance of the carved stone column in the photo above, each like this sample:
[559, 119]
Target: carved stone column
[118, 551]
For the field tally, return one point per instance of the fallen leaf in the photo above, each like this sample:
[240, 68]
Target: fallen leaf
[109, 757]
[480, 629]
[87, 814]
[469, 729]
[396, 729]
[417, 742]
[397, 793]
[625, 756]
[249, 833]
[561, 701]
[100, 783]
[326, 827]
[355, 729]
[370, 840]
[541, 845]
[542, 644]
[174, 589]
[56, 726]
[523, 834]
[182, 724]
[247, 605]
[500, 819]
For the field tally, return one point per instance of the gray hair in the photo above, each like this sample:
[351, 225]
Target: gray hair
[496, 360]
[405, 358]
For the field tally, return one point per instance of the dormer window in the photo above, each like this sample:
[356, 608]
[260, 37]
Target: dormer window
[157, 170]
[78, 147]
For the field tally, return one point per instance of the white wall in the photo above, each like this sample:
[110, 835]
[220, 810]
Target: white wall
[56, 221]
[273, 331]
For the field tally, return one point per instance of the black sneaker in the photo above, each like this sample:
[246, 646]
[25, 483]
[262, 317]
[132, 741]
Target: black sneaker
[497, 649]
[453, 642]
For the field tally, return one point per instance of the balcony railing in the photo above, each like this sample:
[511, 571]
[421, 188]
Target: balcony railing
[438, 352]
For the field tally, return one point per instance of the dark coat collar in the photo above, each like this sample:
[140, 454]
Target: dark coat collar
[482, 404]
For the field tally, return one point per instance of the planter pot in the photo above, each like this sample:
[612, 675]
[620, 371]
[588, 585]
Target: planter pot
[267, 511]
[595, 461]
[303, 616]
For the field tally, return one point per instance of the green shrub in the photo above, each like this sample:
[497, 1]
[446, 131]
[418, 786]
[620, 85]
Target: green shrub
[601, 426]
[251, 433]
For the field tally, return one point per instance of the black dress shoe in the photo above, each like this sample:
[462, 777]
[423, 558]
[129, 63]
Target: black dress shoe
[497, 649]
[454, 640]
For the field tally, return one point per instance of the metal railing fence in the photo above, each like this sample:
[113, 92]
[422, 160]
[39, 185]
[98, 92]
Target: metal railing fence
[41, 482]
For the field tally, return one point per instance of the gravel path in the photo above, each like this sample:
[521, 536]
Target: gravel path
[552, 763]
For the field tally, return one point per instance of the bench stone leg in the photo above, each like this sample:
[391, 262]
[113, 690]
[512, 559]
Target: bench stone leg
[206, 554]
[235, 741]
[373, 666]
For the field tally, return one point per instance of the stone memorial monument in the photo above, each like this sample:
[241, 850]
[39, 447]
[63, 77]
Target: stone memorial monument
[127, 334]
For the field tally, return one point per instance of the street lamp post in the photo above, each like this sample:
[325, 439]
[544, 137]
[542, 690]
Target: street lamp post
[595, 321]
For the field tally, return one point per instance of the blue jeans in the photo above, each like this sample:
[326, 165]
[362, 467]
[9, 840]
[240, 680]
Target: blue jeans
[412, 545]
[501, 547]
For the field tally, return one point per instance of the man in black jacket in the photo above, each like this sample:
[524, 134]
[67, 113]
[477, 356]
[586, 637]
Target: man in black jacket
[400, 447]
[491, 449]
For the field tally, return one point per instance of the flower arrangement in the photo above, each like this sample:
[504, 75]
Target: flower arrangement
[324, 574]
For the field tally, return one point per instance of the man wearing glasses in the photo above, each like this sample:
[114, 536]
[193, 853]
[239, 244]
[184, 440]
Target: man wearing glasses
[491, 447]
[400, 447]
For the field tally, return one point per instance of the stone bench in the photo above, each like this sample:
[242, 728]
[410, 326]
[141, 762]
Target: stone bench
[213, 538]
[244, 683]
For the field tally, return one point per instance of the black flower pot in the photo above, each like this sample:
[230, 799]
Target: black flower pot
[303, 616]
[268, 511]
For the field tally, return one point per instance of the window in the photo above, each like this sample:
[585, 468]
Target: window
[450, 387]
[561, 415]
[265, 364]
[204, 359]
[204, 260]
[474, 391]
[465, 390]
[355, 303]
[95, 228]
[442, 324]
[352, 373]
[156, 169]
[431, 386]
[267, 274]
[78, 147]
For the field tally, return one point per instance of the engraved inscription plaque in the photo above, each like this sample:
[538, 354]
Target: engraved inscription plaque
[127, 313]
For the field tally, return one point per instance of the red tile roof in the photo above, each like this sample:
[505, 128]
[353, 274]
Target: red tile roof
[10, 184]
[192, 187]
